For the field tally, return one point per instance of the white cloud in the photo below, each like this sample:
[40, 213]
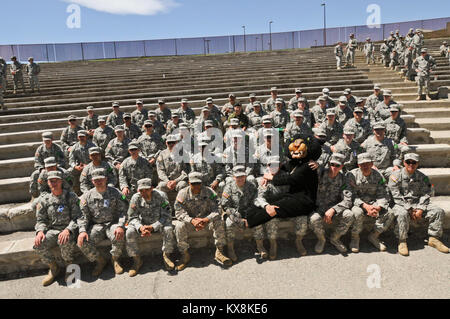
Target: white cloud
[124, 7]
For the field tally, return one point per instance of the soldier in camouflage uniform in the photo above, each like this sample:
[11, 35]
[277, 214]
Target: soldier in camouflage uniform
[375, 98]
[270, 106]
[238, 114]
[333, 128]
[319, 111]
[103, 210]
[339, 53]
[116, 116]
[334, 202]
[205, 115]
[329, 101]
[443, 49]
[249, 107]
[3, 70]
[351, 48]
[351, 99]
[385, 51]
[117, 149]
[270, 147]
[90, 122]
[255, 117]
[102, 134]
[149, 212]
[280, 116]
[33, 69]
[17, 75]
[381, 111]
[303, 105]
[292, 105]
[394, 59]
[48, 149]
[237, 196]
[69, 136]
[133, 169]
[96, 162]
[369, 50]
[79, 158]
[42, 181]
[173, 124]
[139, 115]
[228, 107]
[384, 151]
[409, 38]
[349, 148]
[370, 200]
[321, 136]
[158, 127]
[186, 113]
[343, 111]
[424, 64]
[163, 114]
[417, 42]
[214, 112]
[56, 225]
[408, 63]
[132, 131]
[360, 126]
[297, 126]
[411, 192]
[396, 129]
[197, 208]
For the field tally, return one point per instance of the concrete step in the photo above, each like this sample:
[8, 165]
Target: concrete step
[440, 136]
[434, 124]
[415, 135]
[28, 136]
[437, 112]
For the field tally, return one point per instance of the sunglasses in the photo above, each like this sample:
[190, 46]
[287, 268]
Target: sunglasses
[147, 126]
[411, 162]
[73, 120]
[171, 143]
[196, 184]
[334, 165]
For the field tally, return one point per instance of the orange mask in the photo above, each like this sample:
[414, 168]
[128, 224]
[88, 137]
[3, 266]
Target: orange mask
[298, 149]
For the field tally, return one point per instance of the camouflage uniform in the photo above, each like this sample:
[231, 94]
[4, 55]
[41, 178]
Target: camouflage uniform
[138, 117]
[79, 154]
[334, 132]
[42, 181]
[373, 100]
[90, 123]
[169, 170]
[53, 215]
[102, 136]
[385, 51]
[396, 130]
[382, 111]
[117, 151]
[350, 152]
[319, 114]
[156, 213]
[343, 115]
[86, 176]
[132, 132]
[210, 171]
[362, 129]
[101, 215]
[151, 145]
[232, 158]
[133, 170]
[293, 129]
[351, 47]
[114, 119]
[339, 53]
[255, 119]
[33, 70]
[369, 49]
[17, 76]
[42, 153]
[187, 116]
[280, 119]
[424, 67]
[385, 154]
[163, 116]
[204, 205]
[69, 137]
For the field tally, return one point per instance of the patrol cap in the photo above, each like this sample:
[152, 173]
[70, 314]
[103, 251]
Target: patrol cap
[349, 130]
[195, 177]
[256, 103]
[101, 119]
[326, 91]
[347, 91]
[352, 35]
[82, 133]
[90, 108]
[358, 110]
[377, 86]
[184, 100]
[139, 101]
[336, 159]
[266, 119]
[412, 156]
[339, 156]
[95, 150]
[392, 32]
[133, 146]
[234, 121]
[183, 126]
[342, 100]
[145, 183]
[322, 98]
[46, 136]
[279, 100]
[209, 100]
[161, 101]
[424, 50]
[331, 112]
[268, 132]
[252, 95]
[364, 158]
[445, 42]
[151, 113]
[98, 173]
[367, 39]
[72, 117]
[175, 114]
[397, 31]
[298, 90]
[359, 100]
[49, 162]
[30, 58]
[118, 128]
[238, 104]
[303, 100]
[273, 88]
[171, 138]
[205, 109]
[13, 57]
[209, 123]
[239, 170]
[274, 159]
[379, 125]
[411, 30]
[321, 132]
[298, 113]
[231, 95]
[115, 104]
[394, 107]
[236, 133]
[148, 122]
[54, 174]
[387, 92]
[126, 115]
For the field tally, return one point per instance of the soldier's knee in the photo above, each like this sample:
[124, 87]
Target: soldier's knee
[358, 212]
[131, 233]
[400, 212]
[347, 215]
[315, 219]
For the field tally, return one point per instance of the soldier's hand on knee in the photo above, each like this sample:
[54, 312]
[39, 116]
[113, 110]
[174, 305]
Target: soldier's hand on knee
[270, 209]
[39, 238]
[119, 233]
[63, 236]
[81, 238]
[329, 215]
[245, 222]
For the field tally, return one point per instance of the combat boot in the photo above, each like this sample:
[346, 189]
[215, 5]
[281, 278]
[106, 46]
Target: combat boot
[299, 244]
[354, 243]
[101, 263]
[185, 258]
[373, 238]
[339, 68]
[436, 243]
[273, 249]
[52, 273]
[428, 97]
[419, 98]
[260, 247]
[221, 258]
[403, 248]
[116, 265]
[137, 264]
[336, 242]
[320, 245]
[231, 251]
[168, 262]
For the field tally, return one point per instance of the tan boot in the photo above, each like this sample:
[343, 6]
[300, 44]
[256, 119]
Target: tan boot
[261, 250]
[299, 244]
[373, 238]
[418, 98]
[118, 269]
[52, 273]
[221, 258]
[354, 243]
[336, 242]
[231, 251]
[403, 248]
[436, 243]
[320, 245]
[101, 263]
[185, 258]
[273, 249]
[137, 264]
[168, 262]
[428, 98]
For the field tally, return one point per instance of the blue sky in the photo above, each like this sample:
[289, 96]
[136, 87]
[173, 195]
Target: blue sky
[44, 21]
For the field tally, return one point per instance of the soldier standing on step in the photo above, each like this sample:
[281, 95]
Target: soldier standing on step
[408, 63]
[369, 49]
[385, 50]
[443, 50]
[424, 64]
[33, 69]
[339, 53]
[351, 47]
[16, 71]
[3, 70]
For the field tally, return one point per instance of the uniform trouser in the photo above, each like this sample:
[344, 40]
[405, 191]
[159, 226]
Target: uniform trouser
[271, 228]
[370, 57]
[350, 56]
[76, 180]
[134, 240]
[4, 83]
[338, 61]
[216, 225]
[2, 101]
[340, 223]
[97, 233]
[423, 82]
[51, 240]
[385, 59]
[393, 63]
[382, 223]
[162, 186]
[18, 78]
[250, 178]
[433, 215]
[34, 81]
[416, 52]
[409, 71]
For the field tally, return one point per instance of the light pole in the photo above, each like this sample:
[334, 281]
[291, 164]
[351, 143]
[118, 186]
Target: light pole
[245, 42]
[270, 35]
[324, 25]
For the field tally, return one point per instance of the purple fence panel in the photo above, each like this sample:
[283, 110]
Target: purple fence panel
[161, 47]
[333, 36]
[93, 50]
[363, 32]
[51, 52]
[191, 46]
[282, 40]
[37, 51]
[435, 24]
[110, 50]
[217, 45]
[130, 49]
[68, 52]
[311, 38]
[6, 52]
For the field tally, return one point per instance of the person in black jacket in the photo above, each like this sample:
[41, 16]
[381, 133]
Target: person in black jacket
[302, 179]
